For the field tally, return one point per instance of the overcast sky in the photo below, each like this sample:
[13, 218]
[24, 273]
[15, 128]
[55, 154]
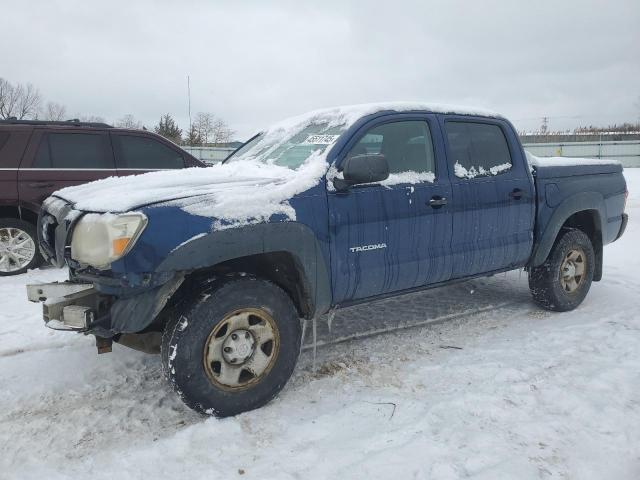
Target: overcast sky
[254, 62]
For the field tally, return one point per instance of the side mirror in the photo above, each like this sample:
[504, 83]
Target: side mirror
[360, 169]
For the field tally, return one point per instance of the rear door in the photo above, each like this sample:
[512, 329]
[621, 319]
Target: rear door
[12, 145]
[57, 159]
[390, 236]
[493, 198]
[139, 153]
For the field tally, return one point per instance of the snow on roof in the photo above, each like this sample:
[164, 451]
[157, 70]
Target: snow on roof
[349, 114]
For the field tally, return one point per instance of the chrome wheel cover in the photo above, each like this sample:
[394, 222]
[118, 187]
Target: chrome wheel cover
[241, 349]
[17, 249]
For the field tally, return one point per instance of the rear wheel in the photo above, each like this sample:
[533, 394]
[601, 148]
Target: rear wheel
[233, 348]
[18, 247]
[562, 282]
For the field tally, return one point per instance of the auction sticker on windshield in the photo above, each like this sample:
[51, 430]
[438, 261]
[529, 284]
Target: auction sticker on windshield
[321, 139]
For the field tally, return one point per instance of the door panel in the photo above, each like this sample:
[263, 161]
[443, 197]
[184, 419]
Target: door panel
[493, 213]
[388, 238]
[71, 158]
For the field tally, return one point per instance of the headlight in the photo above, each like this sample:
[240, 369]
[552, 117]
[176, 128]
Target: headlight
[100, 239]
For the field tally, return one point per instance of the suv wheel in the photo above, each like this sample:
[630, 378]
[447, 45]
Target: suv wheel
[18, 247]
[233, 348]
[564, 279]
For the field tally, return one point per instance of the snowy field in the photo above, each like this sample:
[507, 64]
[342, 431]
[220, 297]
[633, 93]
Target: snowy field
[484, 385]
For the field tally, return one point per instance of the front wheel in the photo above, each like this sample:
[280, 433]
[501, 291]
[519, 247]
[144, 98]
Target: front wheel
[18, 247]
[233, 348]
[564, 279]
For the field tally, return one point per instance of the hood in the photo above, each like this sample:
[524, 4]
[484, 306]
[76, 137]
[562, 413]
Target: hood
[235, 192]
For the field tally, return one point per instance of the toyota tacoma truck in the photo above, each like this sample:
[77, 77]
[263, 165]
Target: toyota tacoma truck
[215, 268]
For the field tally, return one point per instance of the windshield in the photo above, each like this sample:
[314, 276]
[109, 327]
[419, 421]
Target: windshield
[289, 147]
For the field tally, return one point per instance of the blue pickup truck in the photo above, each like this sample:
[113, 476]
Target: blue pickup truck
[215, 267]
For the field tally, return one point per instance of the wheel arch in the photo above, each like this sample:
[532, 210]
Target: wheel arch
[584, 212]
[287, 254]
[19, 213]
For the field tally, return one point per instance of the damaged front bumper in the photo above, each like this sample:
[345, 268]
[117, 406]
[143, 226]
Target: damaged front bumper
[66, 306]
[82, 307]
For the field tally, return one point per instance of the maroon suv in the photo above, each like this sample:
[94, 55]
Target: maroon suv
[37, 158]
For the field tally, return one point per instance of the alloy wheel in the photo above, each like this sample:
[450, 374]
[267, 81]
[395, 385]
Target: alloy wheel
[17, 249]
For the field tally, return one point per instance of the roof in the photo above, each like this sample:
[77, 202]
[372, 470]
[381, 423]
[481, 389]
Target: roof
[65, 123]
[349, 114]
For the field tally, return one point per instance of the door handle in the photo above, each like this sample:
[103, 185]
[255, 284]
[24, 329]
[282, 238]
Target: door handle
[40, 185]
[516, 194]
[437, 201]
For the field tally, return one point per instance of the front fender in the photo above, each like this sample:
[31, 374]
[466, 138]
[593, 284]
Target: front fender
[291, 237]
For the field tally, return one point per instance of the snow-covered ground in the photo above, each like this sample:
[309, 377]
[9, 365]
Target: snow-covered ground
[493, 388]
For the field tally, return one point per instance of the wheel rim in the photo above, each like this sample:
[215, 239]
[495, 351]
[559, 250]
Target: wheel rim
[17, 249]
[572, 270]
[241, 350]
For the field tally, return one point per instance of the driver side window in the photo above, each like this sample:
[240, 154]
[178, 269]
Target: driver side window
[406, 146]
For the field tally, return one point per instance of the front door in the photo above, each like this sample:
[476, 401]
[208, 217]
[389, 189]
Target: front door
[396, 234]
[492, 201]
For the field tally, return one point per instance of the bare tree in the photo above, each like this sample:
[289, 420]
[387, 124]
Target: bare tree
[203, 124]
[55, 112]
[221, 132]
[20, 101]
[129, 121]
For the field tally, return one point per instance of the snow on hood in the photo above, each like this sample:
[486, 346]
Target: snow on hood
[235, 193]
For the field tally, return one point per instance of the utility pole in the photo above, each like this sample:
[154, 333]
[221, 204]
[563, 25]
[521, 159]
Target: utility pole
[544, 128]
[189, 101]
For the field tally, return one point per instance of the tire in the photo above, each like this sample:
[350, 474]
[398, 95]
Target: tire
[551, 284]
[11, 261]
[217, 374]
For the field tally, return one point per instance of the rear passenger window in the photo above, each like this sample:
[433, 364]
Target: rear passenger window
[477, 149]
[4, 136]
[406, 146]
[74, 150]
[145, 153]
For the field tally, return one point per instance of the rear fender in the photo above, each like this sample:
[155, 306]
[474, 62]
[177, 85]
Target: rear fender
[576, 203]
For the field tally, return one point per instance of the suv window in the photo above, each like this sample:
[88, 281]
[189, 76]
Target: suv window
[133, 151]
[73, 150]
[4, 136]
[406, 146]
[477, 149]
